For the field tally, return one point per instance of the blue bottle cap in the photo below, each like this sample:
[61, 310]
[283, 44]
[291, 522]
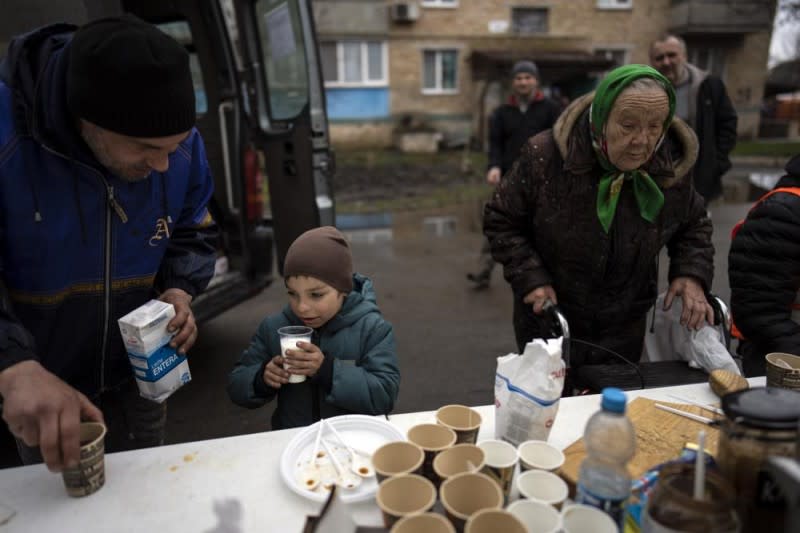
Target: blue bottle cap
[614, 400]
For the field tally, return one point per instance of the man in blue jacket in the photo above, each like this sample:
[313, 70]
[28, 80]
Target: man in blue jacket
[104, 186]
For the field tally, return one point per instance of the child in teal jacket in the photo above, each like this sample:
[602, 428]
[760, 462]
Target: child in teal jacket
[351, 361]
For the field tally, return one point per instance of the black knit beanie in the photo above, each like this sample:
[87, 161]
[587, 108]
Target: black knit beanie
[526, 66]
[322, 253]
[129, 77]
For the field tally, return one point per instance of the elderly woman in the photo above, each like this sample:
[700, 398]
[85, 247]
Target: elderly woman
[582, 216]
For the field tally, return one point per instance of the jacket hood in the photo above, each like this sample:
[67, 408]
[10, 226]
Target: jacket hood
[361, 301]
[35, 70]
[668, 165]
[793, 168]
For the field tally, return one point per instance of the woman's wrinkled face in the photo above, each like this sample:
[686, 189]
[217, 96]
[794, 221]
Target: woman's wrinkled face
[312, 300]
[634, 127]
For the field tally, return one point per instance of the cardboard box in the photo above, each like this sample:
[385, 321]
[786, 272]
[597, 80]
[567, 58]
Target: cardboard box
[158, 368]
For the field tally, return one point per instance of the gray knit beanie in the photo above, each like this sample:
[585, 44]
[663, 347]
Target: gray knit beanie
[525, 66]
[322, 253]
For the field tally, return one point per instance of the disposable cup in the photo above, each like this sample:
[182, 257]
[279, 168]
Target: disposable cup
[398, 457]
[90, 475]
[543, 486]
[290, 335]
[539, 455]
[463, 420]
[500, 463]
[579, 518]
[404, 495]
[783, 370]
[538, 517]
[460, 458]
[423, 523]
[494, 521]
[465, 494]
[432, 438]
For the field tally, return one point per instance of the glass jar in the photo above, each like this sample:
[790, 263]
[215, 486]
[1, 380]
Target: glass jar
[759, 423]
[671, 506]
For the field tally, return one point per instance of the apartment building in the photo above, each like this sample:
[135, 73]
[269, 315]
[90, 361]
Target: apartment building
[443, 64]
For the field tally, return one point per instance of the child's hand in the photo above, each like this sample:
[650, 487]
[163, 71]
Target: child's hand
[305, 361]
[274, 374]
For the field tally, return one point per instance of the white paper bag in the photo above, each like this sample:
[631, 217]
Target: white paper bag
[527, 389]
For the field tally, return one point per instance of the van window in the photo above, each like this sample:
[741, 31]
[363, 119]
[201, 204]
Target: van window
[281, 35]
[179, 30]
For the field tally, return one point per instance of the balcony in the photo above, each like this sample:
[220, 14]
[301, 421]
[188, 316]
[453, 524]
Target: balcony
[731, 17]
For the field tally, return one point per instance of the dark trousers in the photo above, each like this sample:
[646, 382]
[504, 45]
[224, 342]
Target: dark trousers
[132, 421]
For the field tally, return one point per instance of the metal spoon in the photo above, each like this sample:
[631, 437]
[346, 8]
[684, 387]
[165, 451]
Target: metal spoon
[360, 465]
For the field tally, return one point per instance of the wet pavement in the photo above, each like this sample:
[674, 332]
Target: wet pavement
[448, 335]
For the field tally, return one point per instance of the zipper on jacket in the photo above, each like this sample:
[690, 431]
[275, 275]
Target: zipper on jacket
[117, 208]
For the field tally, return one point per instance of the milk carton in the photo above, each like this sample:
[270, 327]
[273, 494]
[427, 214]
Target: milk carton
[158, 368]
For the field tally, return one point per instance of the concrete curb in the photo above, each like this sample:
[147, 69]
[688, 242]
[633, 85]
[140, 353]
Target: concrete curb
[759, 161]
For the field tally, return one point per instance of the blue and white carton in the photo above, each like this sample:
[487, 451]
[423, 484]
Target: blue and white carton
[159, 369]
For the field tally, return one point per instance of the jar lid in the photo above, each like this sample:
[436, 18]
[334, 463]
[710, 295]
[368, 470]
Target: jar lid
[763, 407]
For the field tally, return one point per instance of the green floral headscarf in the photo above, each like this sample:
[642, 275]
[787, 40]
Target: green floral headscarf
[648, 195]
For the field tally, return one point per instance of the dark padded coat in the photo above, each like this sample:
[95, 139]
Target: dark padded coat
[764, 273]
[543, 227]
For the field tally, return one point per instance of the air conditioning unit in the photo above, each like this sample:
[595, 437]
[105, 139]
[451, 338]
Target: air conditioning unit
[404, 12]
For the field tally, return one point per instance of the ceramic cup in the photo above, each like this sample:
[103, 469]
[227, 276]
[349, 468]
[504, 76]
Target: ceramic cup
[543, 486]
[494, 521]
[464, 421]
[578, 518]
[538, 517]
[423, 523]
[465, 494]
[90, 474]
[399, 457]
[432, 438]
[460, 458]
[499, 464]
[404, 495]
[539, 455]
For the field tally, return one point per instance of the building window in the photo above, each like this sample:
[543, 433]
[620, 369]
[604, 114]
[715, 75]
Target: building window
[615, 4]
[439, 3]
[528, 20]
[440, 71]
[708, 58]
[618, 55]
[354, 63]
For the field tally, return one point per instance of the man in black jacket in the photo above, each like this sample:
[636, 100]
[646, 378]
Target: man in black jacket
[764, 272]
[526, 113]
[702, 101]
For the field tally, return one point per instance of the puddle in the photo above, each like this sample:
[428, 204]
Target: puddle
[373, 228]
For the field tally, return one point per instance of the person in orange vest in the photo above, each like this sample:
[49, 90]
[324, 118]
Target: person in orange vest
[764, 273]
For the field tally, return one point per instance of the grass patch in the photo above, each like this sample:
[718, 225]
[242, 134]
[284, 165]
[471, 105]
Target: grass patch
[784, 149]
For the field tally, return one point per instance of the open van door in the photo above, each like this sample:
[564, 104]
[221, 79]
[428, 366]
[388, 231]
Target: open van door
[288, 114]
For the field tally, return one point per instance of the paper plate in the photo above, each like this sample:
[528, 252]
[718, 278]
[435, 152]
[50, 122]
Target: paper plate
[362, 432]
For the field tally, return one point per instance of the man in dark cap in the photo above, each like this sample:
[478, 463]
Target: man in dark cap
[526, 113]
[104, 188]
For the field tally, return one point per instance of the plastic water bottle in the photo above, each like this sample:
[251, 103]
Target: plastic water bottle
[610, 440]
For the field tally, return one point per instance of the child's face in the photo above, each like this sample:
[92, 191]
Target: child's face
[313, 301]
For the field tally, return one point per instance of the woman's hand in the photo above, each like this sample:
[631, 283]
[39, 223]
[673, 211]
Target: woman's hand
[695, 306]
[274, 374]
[539, 296]
[305, 360]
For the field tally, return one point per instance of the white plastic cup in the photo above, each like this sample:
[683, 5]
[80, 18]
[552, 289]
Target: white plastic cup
[290, 335]
[538, 517]
[543, 486]
[539, 455]
[579, 518]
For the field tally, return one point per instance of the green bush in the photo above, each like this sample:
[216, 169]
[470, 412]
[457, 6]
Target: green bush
[783, 149]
